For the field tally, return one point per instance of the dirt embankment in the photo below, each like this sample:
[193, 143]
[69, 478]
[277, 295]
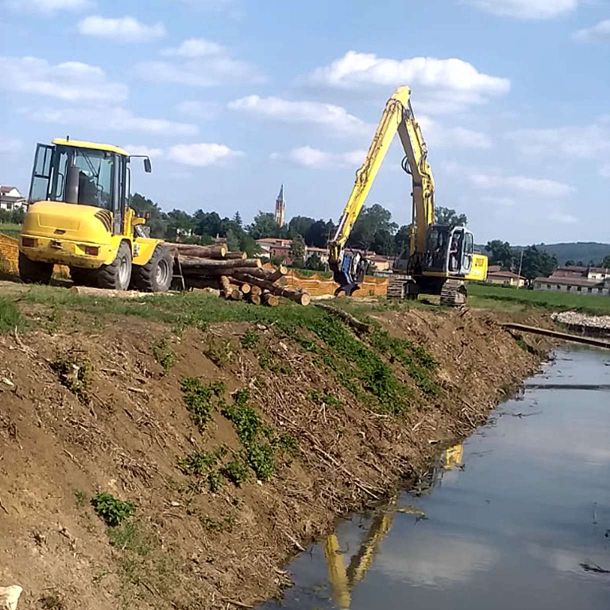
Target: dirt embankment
[329, 423]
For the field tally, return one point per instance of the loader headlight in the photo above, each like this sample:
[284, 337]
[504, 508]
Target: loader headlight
[28, 242]
[92, 250]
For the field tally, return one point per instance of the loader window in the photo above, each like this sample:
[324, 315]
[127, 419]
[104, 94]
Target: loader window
[41, 175]
[95, 179]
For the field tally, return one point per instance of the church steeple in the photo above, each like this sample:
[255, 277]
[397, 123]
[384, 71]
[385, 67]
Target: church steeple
[280, 208]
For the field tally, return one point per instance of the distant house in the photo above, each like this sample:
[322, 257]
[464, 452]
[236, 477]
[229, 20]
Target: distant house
[504, 278]
[275, 247]
[11, 198]
[579, 280]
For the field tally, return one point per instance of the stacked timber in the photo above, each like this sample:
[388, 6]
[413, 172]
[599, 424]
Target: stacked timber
[237, 277]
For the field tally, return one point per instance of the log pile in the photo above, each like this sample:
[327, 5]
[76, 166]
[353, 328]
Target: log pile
[237, 277]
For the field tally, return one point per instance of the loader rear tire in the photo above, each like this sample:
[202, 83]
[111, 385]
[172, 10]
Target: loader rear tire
[34, 272]
[157, 274]
[83, 277]
[117, 275]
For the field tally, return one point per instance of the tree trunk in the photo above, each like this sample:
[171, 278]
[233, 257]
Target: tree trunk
[300, 297]
[217, 251]
[236, 256]
[191, 264]
[271, 300]
[255, 299]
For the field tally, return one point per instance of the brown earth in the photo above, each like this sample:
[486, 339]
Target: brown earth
[123, 428]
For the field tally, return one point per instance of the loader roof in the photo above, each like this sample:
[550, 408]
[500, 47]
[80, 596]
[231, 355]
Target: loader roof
[92, 145]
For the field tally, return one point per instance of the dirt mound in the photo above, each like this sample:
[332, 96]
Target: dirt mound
[148, 466]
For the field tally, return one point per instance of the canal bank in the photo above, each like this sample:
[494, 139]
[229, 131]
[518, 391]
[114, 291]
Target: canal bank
[516, 517]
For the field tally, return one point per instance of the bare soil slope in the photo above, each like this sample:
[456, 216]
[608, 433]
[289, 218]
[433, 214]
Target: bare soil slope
[330, 422]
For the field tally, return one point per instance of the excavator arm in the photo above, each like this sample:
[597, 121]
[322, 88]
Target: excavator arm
[397, 117]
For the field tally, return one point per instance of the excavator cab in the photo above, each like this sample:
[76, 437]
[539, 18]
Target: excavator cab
[449, 250]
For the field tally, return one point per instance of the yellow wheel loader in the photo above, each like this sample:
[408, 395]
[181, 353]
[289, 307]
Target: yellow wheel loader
[79, 216]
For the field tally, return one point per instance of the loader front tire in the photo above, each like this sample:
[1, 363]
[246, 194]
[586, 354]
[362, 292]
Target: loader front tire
[117, 275]
[34, 272]
[157, 274]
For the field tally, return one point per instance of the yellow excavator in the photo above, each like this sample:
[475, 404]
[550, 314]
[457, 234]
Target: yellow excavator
[79, 216]
[440, 257]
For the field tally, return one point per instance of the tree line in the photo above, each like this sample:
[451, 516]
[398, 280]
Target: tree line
[374, 229]
[531, 261]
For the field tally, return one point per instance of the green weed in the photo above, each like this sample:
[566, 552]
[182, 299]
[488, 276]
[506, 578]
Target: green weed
[74, 373]
[130, 536]
[250, 339]
[164, 355]
[236, 471]
[323, 398]
[10, 317]
[201, 399]
[211, 524]
[80, 497]
[215, 481]
[112, 510]
[199, 463]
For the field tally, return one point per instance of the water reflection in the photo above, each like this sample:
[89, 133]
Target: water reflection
[344, 570]
[518, 517]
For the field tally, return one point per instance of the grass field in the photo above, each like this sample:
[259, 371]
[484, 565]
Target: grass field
[9, 228]
[497, 297]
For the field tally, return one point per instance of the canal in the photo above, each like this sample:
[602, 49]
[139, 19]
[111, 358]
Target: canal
[518, 517]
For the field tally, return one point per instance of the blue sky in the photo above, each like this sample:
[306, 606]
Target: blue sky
[233, 97]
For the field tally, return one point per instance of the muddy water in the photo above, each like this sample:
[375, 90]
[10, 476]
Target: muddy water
[516, 518]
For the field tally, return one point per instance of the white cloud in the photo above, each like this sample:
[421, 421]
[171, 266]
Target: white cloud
[564, 218]
[47, 7]
[604, 170]
[441, 136]
[597, 33]
[527, 9]
[120, 29]
[199, 110]
[70, 81]
[199, 63]
[307, 156]
[113, 118]
[583, 142]
[9, 145]
[537, 187]
[288, 111]
[138, 149]
[195, 47]
[442, 84]
[202, 155]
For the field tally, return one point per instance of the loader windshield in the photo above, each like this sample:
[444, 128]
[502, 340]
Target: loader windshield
[95, 176]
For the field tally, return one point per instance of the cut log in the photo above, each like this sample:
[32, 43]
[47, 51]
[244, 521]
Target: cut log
[279, 272]
[257, 290]
[271, 275]
[238, 256]
[230, 291]
[350, 320]
[104, 292]
[217, 251]
[192, 263]
[255, 299]
[271, 300]
[245, 287]
[300, 297]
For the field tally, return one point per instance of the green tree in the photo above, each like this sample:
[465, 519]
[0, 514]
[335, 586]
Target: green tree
[297, 251]
[500, 253]
[208, 223]
[537, 263]
[401, 241]
[371, 221]
[237, 219]
[319, 233]
[300, 225]
[264, 225]
[606, 262]
[314, 263]
[157, 220]
[448, 216]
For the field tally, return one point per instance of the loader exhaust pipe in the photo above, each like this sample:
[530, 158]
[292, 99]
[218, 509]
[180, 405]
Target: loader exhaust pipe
[72, 178]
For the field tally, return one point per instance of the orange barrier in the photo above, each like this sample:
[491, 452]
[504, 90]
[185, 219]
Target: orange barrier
[318, 285]
[9, 253]
[9, 258]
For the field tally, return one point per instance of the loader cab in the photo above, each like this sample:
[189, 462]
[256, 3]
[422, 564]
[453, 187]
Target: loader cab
[84, 173]
[449, 250]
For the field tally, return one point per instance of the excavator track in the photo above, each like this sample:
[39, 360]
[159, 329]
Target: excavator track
[453, 294]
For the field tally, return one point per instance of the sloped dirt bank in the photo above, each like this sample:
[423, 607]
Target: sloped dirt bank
[235, 444]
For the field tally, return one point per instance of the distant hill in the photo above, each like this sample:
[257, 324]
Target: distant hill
[587, 252]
